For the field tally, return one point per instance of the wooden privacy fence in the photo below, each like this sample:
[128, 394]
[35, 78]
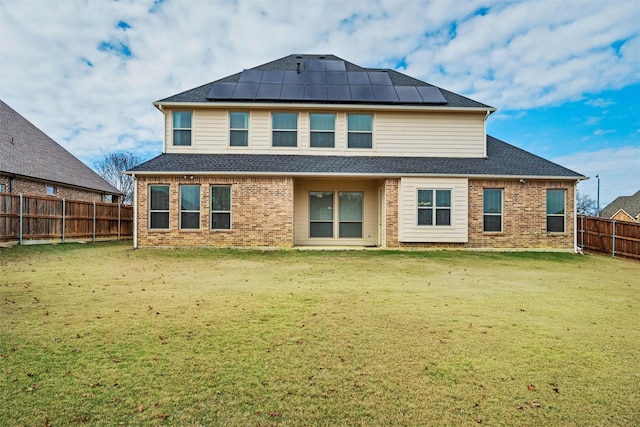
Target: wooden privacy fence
[45, 218]
[618, 238]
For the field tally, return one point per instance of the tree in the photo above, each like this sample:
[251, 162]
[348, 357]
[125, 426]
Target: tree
[112, 168]
[585, 205]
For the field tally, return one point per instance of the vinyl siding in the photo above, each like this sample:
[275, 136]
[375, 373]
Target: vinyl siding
[421, 134]
[410, 231]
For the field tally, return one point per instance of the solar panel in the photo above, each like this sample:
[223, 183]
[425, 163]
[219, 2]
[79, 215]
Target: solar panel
[358, 78]
[337, 78]
[333, 65]
[316, 65]
[221, 90]
[292, 92]
[338, 93]
[316, 78]
[408, 94]
[272, 77]
[293, 77]
[379, 78]
[269, 91]
[245, 91]
[431, 95]
[315, 92]
[361, 93]
[250, 76]
[385, 94]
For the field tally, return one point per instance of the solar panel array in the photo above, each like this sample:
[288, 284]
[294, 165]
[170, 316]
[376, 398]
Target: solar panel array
[323, 81]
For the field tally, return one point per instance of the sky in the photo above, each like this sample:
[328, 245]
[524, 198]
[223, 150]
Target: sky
[564, 76]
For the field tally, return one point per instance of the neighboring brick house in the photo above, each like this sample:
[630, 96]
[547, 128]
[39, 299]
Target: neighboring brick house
[34, 164]
[312, 150]
[623, 208]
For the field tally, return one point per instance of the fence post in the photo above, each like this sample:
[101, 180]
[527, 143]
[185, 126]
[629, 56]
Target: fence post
[94, 221]
[582, 232]
[20, 221]
[63, 218]
[118, 221]
[613, 238]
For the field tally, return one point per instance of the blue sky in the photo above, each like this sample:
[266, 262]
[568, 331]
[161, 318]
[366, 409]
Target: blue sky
[564, 76]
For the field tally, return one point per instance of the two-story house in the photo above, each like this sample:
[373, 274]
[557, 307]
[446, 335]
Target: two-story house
[312, 150]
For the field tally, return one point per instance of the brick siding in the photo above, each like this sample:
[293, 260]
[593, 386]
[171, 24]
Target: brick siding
[261, 213]
[39, 188]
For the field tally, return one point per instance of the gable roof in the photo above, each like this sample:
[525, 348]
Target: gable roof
[630, 204]
[502, 160]
[29, 152]
[322, 79]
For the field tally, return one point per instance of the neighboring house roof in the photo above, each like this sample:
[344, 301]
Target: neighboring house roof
[502, 160]
[29, 152]
[630, 204]
[323, 79]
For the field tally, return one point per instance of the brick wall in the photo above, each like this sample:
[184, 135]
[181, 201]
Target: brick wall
[39, 188]
[261, 213]
[524, 217]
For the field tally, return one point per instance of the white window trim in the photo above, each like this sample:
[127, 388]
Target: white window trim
[564, 215]
[168, 210]
[180, 210]
[296, 130]
[434, 207]
[230, 211]
[501, 214]
[346, 125]
[311, 131]
[173, 129]
[240, 147]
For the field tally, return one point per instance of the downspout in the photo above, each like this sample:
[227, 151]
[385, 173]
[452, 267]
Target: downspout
[575, 217]
[164, 142]
[485, 132]
[135, 211]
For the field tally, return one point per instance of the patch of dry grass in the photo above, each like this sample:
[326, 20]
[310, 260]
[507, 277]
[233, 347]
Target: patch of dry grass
[103, 335]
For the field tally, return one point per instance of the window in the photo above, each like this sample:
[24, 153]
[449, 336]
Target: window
[238, 129]
[285, 129]
[440, 210]
[350, 214]
[360, 131]
[189, 207]
[322, 130]
[492, 210]
[3, 188]
[51, 190]
[321, 214]
[555, 211]
[182, 128]
[159, 207]
[221, 207]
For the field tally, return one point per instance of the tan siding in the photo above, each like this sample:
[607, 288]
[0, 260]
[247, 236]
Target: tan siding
[408, 206]
[394, 134]
[301, 209]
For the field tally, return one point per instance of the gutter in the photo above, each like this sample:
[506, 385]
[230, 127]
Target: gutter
[135, 211]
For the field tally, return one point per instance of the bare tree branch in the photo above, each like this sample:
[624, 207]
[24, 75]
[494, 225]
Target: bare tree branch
[111, 168]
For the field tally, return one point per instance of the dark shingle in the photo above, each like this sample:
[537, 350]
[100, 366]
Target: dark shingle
[295, 62]
[502, 160]
[630, 204]
[28, 152]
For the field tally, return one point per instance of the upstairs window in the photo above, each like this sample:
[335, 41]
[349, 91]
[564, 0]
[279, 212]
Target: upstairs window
[492, 210]
[238, 129]
[285, 129]
[434, 207]
[323, 128]
[182, 128]
[159, 207]
[189, 207]
[3, 188]
[220, 207]
[51, 190]
[555, 211]
[360, 131]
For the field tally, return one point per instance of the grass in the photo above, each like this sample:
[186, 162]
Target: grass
[102, 335]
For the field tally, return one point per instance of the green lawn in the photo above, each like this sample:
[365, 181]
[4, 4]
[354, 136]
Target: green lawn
[102, 335]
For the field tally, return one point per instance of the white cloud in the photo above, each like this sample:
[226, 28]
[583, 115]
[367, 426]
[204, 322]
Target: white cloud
[514, 55]
[618, 168]
[600, 103]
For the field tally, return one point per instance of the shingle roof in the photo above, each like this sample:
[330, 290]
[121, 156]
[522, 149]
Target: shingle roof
[630, 204]
[290, 63]
[28, 152]
[502, 160]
